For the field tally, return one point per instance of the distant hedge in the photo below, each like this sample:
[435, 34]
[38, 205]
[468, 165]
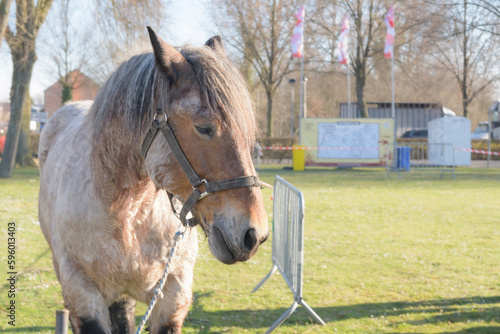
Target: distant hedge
[483, 145]
[277, 141]
[34, 141]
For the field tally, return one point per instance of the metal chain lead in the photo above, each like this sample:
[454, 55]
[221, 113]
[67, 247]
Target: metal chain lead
[158, 292]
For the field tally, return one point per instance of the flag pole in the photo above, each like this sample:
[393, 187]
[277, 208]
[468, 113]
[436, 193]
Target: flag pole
[302, 86]
[298, 52]
[343, 58]
[393, 107]
[389, 52]
[301, 94]
[302, 101]
[393, 111]
[348, 92]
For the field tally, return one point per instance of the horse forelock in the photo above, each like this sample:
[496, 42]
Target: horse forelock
[223, 90]
[133, 91]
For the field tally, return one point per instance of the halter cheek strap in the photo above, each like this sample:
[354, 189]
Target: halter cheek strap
[194, 179]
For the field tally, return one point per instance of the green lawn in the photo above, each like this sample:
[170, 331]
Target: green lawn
[413, 255]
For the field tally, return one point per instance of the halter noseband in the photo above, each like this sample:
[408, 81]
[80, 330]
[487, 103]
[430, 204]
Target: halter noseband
[194, 179]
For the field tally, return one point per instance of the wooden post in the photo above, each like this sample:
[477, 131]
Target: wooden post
[62, 319]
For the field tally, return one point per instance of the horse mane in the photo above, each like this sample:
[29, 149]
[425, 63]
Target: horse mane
[225, 91]
[130, 92]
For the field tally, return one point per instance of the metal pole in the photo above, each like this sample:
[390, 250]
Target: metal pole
[489, 136]
[348, 92]
[62, 321]
[302, 97]
[292, 83]
[393, 112]
[393, 108]
[301, 93]
[291, 115]
[302, 86]
[305, 97]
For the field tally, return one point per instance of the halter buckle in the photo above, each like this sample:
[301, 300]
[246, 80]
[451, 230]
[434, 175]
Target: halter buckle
[159, 114]
[206, 193]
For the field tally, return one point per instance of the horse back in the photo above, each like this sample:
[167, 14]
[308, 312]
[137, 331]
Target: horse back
[57, 124]
[52, 152]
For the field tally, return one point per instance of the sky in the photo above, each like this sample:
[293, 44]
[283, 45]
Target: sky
[190, 23]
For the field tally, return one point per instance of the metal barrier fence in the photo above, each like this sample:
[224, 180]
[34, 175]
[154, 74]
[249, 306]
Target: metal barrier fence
[288, 244]
[421, 157]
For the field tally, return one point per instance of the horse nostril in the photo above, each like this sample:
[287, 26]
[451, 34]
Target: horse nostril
[250, 240]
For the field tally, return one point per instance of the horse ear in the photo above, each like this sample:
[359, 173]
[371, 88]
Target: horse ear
[215, 43]
[168, 59]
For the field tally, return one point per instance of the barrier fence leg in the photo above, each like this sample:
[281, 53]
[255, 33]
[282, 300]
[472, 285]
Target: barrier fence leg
[273, 270]
[311, 312]
[283, 317]
[62, 317]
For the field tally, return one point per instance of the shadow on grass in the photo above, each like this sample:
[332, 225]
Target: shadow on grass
[448, 311]
[195, 305]
[33, 329]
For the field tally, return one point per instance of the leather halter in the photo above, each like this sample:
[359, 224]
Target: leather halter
[194, 179]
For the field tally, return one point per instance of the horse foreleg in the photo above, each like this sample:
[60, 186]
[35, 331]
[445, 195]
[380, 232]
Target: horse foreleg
[122, 314]
[171, 310]
[87, 307]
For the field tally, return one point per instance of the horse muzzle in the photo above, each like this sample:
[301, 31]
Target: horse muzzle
[231, 241]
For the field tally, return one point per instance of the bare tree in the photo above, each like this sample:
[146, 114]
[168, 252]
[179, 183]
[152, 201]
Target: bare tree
[492, 9]
[66, 44]
[22, 44]
[112, 32]
[468, 51]
[260, 31]
[367, 18]
[122, 25]
[371, 70]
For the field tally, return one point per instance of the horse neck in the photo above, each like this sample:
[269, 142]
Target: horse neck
[117, 162]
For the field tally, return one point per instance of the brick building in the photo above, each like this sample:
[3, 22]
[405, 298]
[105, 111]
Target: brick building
[84, 88]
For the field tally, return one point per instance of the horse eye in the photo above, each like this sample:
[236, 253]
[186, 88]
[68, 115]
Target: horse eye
[205, 131]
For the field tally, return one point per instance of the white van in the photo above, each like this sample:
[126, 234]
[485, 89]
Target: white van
[482, 132]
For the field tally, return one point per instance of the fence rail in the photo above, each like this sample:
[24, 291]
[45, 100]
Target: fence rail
[421, 157]
[288, 244]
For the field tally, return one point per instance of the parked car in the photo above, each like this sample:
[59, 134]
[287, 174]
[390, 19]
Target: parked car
[482, 131]
[416, 133]
[2, 144]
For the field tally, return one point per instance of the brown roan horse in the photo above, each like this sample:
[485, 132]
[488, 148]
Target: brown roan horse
[107, 208]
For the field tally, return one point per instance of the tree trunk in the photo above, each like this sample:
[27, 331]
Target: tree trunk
[465, 97]
[360, 92]
[269, 113]
[24, 156]
[12, 138]
[20, 108]
[25, 64]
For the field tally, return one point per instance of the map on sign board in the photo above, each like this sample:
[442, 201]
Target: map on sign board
[348, 140]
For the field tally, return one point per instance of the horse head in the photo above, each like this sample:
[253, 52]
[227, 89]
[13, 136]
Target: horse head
[209, 112]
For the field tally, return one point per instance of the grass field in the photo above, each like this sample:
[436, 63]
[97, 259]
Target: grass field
[411, 255]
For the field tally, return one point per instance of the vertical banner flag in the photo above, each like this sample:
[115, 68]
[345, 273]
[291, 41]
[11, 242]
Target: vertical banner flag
[389, 38]
[343, 43]
[298, 34]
